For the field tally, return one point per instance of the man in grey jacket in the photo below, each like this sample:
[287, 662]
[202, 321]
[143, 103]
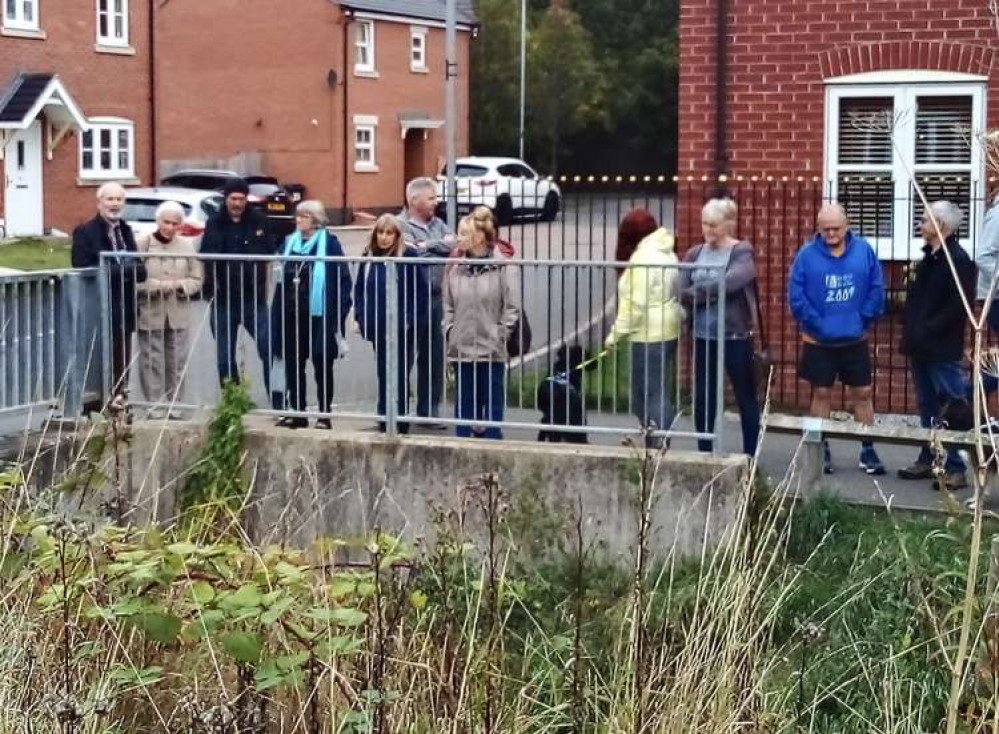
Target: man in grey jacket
[432, 237]
[986, 260]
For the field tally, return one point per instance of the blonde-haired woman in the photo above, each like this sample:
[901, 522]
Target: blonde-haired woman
[371, 309]
[164, 312]
[721, 251]
[481, 308]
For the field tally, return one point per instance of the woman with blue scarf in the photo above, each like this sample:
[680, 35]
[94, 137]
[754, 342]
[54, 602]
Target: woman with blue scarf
[310, 310]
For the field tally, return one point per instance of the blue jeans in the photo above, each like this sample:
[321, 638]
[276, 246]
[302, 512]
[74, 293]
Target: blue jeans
[739, 368]
[430, 358]
[480, 394]
[936, 382]
[650, 403]
[226, 318]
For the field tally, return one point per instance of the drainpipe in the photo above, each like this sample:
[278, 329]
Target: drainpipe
[347, 17]
[721, 90]
[152, 95]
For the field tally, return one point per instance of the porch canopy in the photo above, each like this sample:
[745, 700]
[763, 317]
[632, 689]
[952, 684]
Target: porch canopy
[27, 97]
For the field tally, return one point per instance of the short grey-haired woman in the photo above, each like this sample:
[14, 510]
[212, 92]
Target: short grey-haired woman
[310, 309]
[164, 308]
[721, 252]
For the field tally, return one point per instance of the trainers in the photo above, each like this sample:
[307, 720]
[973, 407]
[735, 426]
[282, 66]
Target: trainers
[870, 462]
[827, 465]
[916, 470]
[951, 481]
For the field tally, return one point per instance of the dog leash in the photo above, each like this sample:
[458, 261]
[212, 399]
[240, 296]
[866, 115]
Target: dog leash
[596, 358]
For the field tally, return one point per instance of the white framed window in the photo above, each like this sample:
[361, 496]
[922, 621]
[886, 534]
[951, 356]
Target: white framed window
[417, 49]
[20, 15]
[112, 22]
[364, 46]
[107, 149]
[365, 136]
[935, 125]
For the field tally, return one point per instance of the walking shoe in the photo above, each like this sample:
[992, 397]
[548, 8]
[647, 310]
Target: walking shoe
[870, 462]
[326, 423]
[292, 422]
[950, 481]
[827, 465]
[916, 470]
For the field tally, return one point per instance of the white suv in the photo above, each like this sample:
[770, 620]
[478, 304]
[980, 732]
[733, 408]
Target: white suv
[508, 186]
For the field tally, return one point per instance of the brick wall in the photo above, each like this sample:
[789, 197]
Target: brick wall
[103, 84]
[779, 54]
[258, 85]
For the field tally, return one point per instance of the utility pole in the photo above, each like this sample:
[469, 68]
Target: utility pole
[450, 112]
[523, 70]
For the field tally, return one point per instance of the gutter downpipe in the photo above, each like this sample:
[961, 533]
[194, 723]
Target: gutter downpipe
[347, 20]
[153, 153]
[721, 94]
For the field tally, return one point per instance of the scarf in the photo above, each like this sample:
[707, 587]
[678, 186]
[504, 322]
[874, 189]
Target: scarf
[315, 245]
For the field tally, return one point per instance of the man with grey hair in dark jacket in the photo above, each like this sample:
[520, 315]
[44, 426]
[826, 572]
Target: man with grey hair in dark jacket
[431, 236]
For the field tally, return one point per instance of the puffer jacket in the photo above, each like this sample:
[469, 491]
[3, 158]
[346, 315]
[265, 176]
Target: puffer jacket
[481, 307]
[647, 306]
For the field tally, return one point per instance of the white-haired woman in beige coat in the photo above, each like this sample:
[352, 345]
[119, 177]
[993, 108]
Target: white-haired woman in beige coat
[164, 307]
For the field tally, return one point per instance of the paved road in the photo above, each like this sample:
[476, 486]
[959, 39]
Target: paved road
[561, 301]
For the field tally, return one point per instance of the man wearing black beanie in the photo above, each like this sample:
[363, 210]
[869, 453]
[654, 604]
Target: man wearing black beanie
[237, 289]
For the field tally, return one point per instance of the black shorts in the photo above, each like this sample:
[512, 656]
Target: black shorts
[820, 364]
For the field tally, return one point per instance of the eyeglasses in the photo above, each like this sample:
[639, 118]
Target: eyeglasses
[302, 215]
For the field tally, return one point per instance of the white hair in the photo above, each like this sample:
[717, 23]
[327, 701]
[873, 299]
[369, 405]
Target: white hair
[315, 209]
[948, 215]
[108, 187]
[169, 207]
[417, 186]
[720, 210]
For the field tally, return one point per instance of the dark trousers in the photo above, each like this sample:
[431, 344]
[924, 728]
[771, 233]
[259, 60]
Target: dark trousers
[989, 381]
[739, 368]
[651, 363]
[226, 318]
[404, 362]
[480, 394]
[121, 357]
[430, 359]
[936, 382]
[309, 337]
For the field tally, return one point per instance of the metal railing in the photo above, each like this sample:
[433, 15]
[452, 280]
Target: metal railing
[504, 345]
[49, 343]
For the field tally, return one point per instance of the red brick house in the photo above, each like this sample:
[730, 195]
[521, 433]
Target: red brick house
[74, 107]
[784, 92]
[346, 97]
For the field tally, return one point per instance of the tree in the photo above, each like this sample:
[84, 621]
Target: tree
[566, 89]
[495, 78]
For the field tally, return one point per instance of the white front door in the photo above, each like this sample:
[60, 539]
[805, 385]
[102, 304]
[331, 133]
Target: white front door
[23, 182]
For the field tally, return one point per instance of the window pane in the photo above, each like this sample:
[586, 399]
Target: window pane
[954, 187]
[29, 11]
[864, 134]
[87, 160]
[11, 9]
[119, 27]
[105, 136]
[119, 6]
[868, 200]
[87, 140]
[943, 130]
[102, 25]
[123, 140]
[105, 160]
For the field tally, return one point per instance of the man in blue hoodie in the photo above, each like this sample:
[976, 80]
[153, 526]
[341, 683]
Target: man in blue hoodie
[836, 291]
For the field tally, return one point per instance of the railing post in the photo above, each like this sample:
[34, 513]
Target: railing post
[392, 350]
[104, 281]
[718, 445]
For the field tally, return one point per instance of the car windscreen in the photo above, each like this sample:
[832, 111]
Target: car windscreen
[263, 189]
[467, 171]
[144, 210]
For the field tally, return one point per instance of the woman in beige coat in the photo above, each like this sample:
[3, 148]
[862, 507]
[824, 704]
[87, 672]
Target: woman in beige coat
[164, 308]
[481, 308]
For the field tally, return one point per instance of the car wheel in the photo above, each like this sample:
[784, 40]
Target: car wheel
[550, 209]
[504, 210]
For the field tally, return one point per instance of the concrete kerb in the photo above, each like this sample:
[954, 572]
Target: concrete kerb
[309, 483]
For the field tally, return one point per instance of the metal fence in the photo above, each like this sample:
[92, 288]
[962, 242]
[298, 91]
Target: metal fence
[49, 344]
[506, 345]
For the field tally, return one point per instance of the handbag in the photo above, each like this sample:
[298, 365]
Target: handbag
[761, 360]
[519, 341]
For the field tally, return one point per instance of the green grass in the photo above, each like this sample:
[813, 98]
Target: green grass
[35, 253]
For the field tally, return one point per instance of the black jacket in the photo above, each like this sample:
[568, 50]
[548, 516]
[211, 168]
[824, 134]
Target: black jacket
[241, 283]
[935, 318]
[89, 241]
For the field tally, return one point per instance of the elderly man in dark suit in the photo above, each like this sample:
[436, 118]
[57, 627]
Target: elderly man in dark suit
[108, 232]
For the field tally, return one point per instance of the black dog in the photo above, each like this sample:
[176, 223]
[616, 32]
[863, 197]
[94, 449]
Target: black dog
[560, 397]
